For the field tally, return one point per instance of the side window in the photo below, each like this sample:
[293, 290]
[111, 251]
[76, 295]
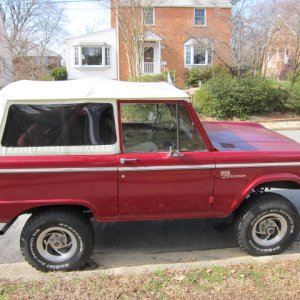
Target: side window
[157, 127]
[59, 125]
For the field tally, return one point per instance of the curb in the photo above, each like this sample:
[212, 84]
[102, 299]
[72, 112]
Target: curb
[24, 272]
[282, 125]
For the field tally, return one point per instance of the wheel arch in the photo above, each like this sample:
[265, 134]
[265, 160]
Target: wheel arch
[79, 208]
[283, 181]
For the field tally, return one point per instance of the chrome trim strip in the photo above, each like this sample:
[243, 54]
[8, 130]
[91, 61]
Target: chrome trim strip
[258, 165]
[167, 168]
[56, 170]
[150, 168]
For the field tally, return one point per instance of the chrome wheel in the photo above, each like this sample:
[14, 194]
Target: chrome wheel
[56, 244]
[269, 229]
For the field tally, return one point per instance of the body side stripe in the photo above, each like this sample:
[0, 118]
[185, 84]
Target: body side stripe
[150, 168]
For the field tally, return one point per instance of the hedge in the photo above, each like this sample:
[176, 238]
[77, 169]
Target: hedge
[226, 97]
[195, 75]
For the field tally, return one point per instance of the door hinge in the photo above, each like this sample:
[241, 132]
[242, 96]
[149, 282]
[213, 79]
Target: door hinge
[211, 200]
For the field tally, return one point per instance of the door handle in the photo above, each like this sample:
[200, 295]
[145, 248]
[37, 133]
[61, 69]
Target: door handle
[125, 160]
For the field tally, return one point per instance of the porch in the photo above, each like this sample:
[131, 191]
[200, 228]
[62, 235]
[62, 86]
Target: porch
[151, 64]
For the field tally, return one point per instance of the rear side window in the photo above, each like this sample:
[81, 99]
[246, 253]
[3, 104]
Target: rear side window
[59, 125]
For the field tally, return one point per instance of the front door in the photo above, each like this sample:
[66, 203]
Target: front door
[152, 180]
[149, 60]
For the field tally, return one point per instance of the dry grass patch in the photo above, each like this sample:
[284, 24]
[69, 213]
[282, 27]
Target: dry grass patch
[253, 281]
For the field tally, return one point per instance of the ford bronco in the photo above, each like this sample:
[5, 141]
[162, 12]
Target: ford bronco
[118, 151]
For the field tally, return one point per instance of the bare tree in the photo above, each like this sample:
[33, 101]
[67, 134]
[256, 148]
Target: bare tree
[254, 30]
[131, 17]
[290, 14]
[6, 69]
[32, 25]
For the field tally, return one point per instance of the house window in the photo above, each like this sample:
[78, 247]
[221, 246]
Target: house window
[200, 16]
[76, 55]
[92, 56]
[278, 55]
[107, 56]
[198, 53]
[188, 57]
[286, 56]
[149, 16]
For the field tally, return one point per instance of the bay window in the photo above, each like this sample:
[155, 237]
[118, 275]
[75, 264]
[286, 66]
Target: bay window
[198, 52]
[98, 56]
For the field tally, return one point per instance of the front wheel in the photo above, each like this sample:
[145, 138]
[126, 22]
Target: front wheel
[267, 226]
[57, 240]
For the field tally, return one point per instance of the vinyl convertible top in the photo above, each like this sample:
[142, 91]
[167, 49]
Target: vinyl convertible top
[93, 88]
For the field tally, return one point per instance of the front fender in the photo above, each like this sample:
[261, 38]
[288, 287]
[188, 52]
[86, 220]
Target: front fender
[263, 179]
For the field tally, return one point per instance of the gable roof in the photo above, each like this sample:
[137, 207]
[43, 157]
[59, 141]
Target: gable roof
[92, 34]
[92, 88]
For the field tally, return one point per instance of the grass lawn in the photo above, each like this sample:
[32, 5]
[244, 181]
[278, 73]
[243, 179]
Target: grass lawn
[253, 281]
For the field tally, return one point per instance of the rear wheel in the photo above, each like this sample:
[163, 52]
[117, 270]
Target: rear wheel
[57, 240]
[267, 225]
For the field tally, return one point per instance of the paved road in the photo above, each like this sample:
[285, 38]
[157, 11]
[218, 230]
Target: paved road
[135, 243]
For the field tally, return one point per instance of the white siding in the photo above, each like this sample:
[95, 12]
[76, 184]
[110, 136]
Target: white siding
[92, 39]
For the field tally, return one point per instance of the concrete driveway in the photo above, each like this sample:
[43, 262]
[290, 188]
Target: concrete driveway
[152, 242]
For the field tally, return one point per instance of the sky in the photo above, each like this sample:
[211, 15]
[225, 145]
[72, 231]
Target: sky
[84, 16]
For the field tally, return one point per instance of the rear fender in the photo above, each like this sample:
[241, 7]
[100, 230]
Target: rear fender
[12, 209]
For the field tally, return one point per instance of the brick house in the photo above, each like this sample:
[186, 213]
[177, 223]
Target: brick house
[281, 51]
[180, 35]
[35, 62]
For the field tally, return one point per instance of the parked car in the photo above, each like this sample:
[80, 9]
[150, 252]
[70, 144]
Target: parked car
[119, 151]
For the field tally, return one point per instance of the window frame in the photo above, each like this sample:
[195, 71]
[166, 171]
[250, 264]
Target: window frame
[278, 55]
[77, 50]
[144, 17]
[205, 21]
[188, 110]
[286, 55]
[61, 150]
[192, 52]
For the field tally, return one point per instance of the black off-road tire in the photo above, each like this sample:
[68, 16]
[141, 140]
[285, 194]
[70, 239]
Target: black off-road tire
[57, 240]
[267, 225]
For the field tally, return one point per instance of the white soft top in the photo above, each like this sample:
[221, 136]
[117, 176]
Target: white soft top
[92, 88]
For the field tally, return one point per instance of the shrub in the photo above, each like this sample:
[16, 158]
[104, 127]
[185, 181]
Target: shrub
[149, 78]
[193, 76]
[293, 103]
[227, 97]
[59, 73]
